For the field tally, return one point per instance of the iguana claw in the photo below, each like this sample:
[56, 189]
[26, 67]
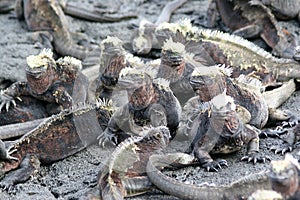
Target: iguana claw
[5, 154]
[6, 100]
[253, 157]
[282, 150]
[272, 133]
[214, 166]
[105, 137]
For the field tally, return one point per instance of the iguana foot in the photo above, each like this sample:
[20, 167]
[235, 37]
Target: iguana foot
[6, 101]
[215, 165]
[282, 150]
[253, 157]
[273, 133]
[5, 154]
[105, 137]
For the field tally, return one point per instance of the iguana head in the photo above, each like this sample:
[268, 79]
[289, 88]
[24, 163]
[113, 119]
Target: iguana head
[138, 85]
[112, 60]
[207, 82]
[179, 31]
[159, 136]
[284, 176]
[172, 60]
[40, 71]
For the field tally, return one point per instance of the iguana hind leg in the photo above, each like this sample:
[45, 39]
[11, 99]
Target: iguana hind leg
[27, 168]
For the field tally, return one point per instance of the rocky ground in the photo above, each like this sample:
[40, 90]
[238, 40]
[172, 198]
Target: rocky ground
[76, 176]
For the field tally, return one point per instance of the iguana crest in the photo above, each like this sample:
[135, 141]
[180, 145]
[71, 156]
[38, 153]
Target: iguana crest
[42, 60]
[162, 84]
[222, 100]
[206, 71]
[183, 26]
[70, 62]
[134, 61]
[226, 70]
[111, 41]
[177, 48]
[218, 35]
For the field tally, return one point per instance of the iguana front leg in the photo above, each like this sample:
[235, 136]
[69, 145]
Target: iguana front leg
[253, 146]
[5, 154]
[8, 95]
[290, 140]
[202, 149]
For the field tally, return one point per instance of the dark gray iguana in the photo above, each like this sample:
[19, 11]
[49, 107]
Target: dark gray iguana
[150, 102]
[47, 15]
[54, 139]
[124, 174]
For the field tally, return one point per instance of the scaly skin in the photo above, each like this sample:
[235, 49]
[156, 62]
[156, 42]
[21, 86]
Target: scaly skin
[250, 19]
[56, 138]
[57, 82]
[45, 15]
[150, 102]
[125, 173]
[235, 190]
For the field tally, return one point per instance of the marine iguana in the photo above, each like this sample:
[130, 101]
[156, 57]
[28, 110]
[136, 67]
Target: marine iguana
[54, 139]
[223, 48]
[250, 19]
[253, 107]
[112, 61]
[58, 82]
[284, 180]
[124, 174]
[142, 39]
[150, 102]
[47, 15]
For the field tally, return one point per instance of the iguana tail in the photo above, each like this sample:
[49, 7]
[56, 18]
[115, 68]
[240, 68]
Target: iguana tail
[242, 187]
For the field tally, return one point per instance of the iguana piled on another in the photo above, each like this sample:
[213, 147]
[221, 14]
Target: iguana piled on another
[150, 102]
[124, 174]
[54, 139]
[250, 19]
[222, 48]
[59, 83]
[253, 107]
[219, 129]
